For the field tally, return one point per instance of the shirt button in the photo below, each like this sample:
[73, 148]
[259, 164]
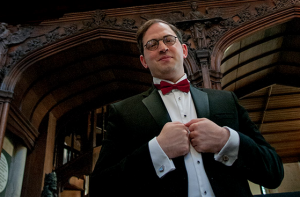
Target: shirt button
[185, 116]
[179, 98]
[205, 192]
[198, 162]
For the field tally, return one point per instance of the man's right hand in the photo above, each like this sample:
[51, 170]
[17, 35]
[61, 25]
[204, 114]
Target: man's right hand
[174, 139]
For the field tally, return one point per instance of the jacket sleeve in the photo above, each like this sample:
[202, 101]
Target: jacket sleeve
[257, 160]
[120, 160]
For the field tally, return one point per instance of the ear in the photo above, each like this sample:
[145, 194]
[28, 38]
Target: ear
[185, 50]
[143, 61]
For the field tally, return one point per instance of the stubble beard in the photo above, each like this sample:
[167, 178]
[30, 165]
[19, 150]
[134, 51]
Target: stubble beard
[169, 73]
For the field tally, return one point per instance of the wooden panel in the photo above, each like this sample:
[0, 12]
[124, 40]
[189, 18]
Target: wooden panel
[256, 116]
[253, 104]
[281, 126]
[284, 101]
[279, 112]
[282, 89]
[282, 114]
[283, 137]
[260, 49]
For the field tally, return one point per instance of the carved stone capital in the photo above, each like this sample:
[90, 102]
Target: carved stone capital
[6, 96]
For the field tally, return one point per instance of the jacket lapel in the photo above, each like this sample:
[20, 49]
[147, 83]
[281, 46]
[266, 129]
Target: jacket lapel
[201, 102]
[156, 107]
[159, 112]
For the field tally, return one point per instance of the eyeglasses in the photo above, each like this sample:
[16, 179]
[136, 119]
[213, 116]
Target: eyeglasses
[153, 44]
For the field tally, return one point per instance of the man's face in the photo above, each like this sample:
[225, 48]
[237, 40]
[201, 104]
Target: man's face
[166, 62]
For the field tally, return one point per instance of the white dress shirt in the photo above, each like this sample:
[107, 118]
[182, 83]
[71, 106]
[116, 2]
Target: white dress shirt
[180, 107]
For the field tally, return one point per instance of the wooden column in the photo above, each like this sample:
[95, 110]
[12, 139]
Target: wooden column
[5, 99]
[50, 144]
[203, 57]
[36, 161]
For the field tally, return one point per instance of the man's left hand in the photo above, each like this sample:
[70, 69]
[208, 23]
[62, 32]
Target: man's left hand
[206, 136]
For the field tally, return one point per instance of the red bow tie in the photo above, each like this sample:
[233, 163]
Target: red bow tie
[166, 87]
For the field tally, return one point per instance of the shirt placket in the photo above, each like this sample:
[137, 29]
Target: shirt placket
[196, 158]
[198, 163]
[183, 110]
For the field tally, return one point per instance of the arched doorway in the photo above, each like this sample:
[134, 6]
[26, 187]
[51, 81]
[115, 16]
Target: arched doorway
[63, 81]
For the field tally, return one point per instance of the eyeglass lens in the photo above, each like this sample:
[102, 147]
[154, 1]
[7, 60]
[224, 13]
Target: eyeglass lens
[153, 44]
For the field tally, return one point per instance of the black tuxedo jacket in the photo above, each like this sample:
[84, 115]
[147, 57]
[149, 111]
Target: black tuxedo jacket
[124, 167]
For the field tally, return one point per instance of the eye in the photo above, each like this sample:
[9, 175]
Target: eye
[151, 44]
[168, 39]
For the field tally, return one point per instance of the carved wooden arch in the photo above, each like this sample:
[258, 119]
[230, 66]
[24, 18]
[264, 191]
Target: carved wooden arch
[249, 28]
[12, 77]
[30, 133]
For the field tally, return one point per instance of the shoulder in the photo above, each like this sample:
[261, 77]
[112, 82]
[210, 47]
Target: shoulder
[214, 92]
[133, 100]
[219, 96]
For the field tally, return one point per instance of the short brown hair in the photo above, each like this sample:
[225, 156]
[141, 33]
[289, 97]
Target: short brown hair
[142, 30]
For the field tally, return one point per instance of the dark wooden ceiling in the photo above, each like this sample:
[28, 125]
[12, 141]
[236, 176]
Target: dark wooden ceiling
[20, 12]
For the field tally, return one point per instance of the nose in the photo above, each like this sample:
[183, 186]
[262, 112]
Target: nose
[162, 47]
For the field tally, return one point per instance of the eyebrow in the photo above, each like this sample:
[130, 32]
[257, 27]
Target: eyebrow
[162, 37]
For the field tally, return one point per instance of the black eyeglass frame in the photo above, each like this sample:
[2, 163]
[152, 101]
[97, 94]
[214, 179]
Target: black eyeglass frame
[164, 41]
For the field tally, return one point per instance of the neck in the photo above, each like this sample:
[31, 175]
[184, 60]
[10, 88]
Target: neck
[175, 79]
[157, 80]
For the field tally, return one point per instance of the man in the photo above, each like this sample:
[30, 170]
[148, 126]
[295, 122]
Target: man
[170, 142]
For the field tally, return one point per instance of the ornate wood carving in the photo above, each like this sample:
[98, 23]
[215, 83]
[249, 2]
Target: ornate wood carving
[99, 19]
[205, 27]
[9, 38]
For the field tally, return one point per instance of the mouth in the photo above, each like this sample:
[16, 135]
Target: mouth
[164, 58]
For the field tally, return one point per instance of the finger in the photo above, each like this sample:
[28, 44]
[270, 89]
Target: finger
[193, 143]
[195, 126]
[192, 127]
[192, 135]
[193, 121]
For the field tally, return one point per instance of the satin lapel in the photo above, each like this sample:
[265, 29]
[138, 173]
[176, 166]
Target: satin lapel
[157, 109]
[201, 102]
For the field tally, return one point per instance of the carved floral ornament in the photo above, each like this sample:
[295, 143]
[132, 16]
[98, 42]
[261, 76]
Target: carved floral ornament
[204, 28]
